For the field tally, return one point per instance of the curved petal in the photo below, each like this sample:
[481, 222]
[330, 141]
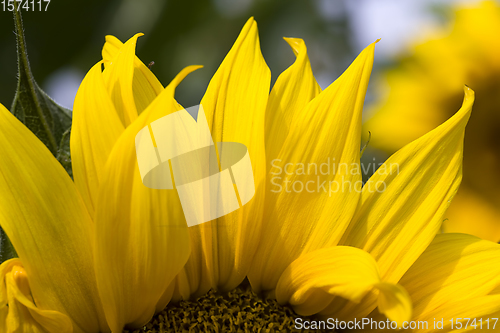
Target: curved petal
[234, 104]
[312, 281]
[403, 203]
[118, 79]
[110, 49]
[456, 279]
[478, 314]
[94, 131]
[141, 233]
[18, 313]
[48, 224]
[308, 205]
[455, 268]
[294, 88]
[145, 85]
[394, 302]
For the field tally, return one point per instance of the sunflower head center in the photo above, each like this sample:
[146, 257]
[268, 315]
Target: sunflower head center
[240, 310]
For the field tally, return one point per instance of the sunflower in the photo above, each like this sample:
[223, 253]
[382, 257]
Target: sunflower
[424, 89]
[106, 252]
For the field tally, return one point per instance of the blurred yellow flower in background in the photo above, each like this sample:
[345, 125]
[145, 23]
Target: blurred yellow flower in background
[425, 88]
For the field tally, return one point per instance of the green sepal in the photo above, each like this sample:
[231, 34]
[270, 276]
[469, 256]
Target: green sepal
[63, 152]
[49, 121]
[7, 251]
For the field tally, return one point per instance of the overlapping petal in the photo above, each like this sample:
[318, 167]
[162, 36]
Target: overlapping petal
[456, 281]
[286, 241]
[293, 90]
[118, 79]
[312, 281]
[141, 233]
[102, 103]
[403, 203]
[145, 85]
[96, 128]
[234, 104]
[326, 131]
[457, 276]
[49, 227]
[18, 312]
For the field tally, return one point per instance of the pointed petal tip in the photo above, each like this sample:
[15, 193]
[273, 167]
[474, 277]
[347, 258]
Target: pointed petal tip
[182, 75]
[469, 98]
[110, 37]
[295, 43]
[293, 40]
[466, 109]
[469, 93]
[250, 24]
[113, 39]
[370, 48]
[134, 38]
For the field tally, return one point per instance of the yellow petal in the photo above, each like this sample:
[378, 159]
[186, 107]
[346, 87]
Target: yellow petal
[110, 49]
[479, 314]
[421, 91]
[294, 88]
[394, 302]
[455, 270]
[118, 79]
[165, 298]
[312, 281]
[315, 212]
[234, 104]
[141, 233]
[94, 131]
[145, 85]
[403, 203]
[18, 312]
[48, 224]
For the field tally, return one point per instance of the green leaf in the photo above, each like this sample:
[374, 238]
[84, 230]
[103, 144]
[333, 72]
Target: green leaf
[50, 122]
